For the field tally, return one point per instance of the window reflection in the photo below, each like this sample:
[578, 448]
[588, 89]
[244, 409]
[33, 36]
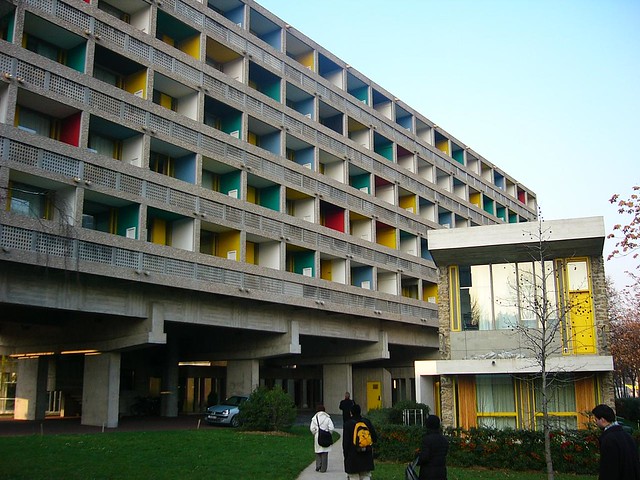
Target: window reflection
[505, 295]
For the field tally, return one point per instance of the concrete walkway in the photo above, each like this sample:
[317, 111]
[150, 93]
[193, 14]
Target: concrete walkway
[335, 470]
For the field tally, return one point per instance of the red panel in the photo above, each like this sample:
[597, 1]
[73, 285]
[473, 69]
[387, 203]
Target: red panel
[334, 219]
[70, 129]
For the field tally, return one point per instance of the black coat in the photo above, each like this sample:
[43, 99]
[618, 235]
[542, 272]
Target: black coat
[354, 461]
[433, 456]
[618, 455]
[346, 406]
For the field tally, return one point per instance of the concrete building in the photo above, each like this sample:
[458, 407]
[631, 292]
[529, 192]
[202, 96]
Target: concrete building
[199, 199]
[505, 292]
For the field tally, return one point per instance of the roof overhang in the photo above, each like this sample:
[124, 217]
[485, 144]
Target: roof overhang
[517, 242]
[566, 364]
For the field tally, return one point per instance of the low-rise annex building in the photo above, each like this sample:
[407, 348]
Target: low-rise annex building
[490, 300]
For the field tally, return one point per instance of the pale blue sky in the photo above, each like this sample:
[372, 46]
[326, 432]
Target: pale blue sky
[548, 90]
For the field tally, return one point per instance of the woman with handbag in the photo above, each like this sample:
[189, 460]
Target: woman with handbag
[321, 426]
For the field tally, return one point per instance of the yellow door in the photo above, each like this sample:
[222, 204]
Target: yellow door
[374, 395]
[580, 322]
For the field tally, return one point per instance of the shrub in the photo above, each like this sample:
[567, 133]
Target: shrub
[398, 443]
[629, 409]
[393, 415]
[572, 452]
[267, 410]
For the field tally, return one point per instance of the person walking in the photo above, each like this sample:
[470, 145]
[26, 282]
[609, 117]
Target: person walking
[346, 405]
[433, 452]
[618, 451]
[358, 460]
[321, 420]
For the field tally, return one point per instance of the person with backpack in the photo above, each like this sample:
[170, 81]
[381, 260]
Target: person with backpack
[358, 437]
[321, 421]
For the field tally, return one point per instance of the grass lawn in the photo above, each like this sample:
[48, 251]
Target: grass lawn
[218, 453]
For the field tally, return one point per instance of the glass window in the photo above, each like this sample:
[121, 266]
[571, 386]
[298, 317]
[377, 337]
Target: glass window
[29, 201]
[505, 295]
[577, 272]
[496, 406]
[561, 395]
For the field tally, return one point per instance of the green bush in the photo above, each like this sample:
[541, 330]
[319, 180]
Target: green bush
[398, 443]
[267, 410]
[518, 450]
[393, 415]
[629, 409]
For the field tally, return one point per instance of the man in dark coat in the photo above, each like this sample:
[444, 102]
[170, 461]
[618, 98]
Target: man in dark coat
[357, 464]
[618, 451]
[433, 453]
[346, 405]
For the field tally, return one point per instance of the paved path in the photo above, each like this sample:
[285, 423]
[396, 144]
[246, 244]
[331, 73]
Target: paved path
[335, 470]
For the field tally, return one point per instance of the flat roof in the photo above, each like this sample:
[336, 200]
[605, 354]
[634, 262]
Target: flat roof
[516, 242]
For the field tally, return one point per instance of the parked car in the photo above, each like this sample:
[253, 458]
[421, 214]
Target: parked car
[226, 413]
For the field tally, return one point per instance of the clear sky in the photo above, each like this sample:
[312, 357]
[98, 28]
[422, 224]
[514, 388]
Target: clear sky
[548, 90]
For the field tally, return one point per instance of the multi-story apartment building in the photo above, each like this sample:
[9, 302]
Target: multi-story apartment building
[199, 199]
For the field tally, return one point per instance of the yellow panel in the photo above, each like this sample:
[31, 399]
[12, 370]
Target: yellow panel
[251, 194]
[227, 242]
[443, 146]
[251, 253]
[475, 198]
[252, 138]
[191, 46]
[374, 395]
[408, 202]
[166, 101]
[136, 83]
[325, 269]
[429, 290]
[168, 40]
[306, 59]
[387, 237]
[454, 298]
[159, 231]
[583, 334]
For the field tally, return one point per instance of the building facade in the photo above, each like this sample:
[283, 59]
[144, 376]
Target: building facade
[512, 298]
[199, 199]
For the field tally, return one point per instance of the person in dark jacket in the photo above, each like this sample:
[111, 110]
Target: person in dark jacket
[358, 465]
[433, 453]
[346, 405]
[618, 451]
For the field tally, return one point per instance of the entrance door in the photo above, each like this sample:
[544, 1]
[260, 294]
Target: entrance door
[374, 395]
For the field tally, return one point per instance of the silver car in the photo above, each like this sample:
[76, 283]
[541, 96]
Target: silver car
[225, 413]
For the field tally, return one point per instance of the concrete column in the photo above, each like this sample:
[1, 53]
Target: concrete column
[243, 376]
[336, 380]
[169, 392]
[31, 389]
[101, 390]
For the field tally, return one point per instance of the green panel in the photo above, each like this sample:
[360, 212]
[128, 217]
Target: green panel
[231, 122]
[76, 57]
[361, 94]
[270, 197]
[230, 181]
[487, 205]
[386, 151]
[361, 181]
[302, 260]
[272, 90]
[458, 156]
[128, 216]
[7, 26]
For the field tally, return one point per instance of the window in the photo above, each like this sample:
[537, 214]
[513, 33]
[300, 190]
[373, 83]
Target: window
[495, 397]
[502, 296]
[561, 398]
[29, 201]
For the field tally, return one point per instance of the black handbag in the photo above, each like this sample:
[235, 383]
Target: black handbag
[325, 439]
